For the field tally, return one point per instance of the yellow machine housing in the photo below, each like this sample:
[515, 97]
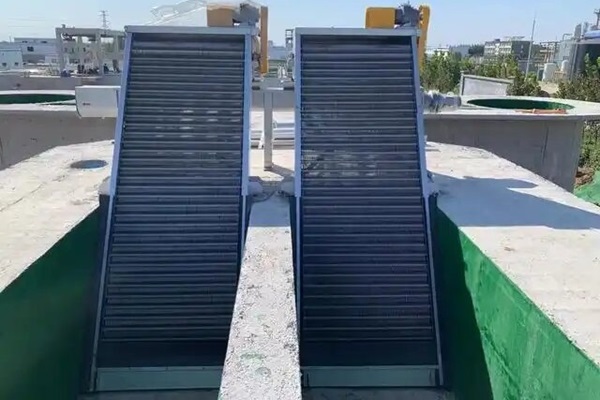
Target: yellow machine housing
[380, 17]
[385, 18]
[225, 15]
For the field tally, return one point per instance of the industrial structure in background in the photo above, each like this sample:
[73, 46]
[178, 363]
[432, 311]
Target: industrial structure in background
[99, 50]
[92, 50]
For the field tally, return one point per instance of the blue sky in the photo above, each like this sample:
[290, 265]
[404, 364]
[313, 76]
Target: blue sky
[453, 22]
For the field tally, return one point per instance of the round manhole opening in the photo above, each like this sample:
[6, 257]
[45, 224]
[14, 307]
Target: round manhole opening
[89, 164]
[520, 104]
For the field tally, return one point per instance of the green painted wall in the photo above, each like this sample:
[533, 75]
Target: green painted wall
[497, 344]
[42, 316]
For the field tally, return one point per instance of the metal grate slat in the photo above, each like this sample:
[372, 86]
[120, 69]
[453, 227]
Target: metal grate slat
[364, 263]
[178, 207]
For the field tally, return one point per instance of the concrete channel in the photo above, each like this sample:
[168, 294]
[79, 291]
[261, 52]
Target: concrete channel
[547, 293]
[263, 350]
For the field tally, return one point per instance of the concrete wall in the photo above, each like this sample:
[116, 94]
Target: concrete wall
[497, 344]
[517, 271]
[26, 134]
[11, 82]
[48, 251]
[549, 148]
[42, 315]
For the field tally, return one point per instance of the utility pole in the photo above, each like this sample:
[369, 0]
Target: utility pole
[104, 16]
[530, 47]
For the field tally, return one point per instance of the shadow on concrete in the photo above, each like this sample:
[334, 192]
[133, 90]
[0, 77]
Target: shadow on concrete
[466, 372]
[508, 206]
[282, 171]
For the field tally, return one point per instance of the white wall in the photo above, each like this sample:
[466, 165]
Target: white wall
[36, 49]
[10, 59]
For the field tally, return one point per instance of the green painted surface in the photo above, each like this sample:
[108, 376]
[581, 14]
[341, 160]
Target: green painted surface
[42, 317]
[35, 98]
[497, 344]
[590, 191]
[520, 104]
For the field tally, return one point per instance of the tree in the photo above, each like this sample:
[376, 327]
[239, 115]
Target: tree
[524, 85]
[476, 50]
[586, 87]
[442, 72]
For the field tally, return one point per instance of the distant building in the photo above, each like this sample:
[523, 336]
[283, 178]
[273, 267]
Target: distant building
[444, 51]
[545, 52]
[10, 58]
[564, 49]
[587, 46]
[35, 50]
[91, 48]
[511, 46]
[462, 49]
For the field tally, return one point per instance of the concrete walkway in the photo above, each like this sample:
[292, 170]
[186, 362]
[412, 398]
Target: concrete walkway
[262, 355]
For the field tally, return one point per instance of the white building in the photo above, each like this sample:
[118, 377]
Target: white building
[36, 50]
[10, 58]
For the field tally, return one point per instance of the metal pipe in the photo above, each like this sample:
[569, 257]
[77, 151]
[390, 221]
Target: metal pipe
[530, 47]
[264, 40]
[268, 129]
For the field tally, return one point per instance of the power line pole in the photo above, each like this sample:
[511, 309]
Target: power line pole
[530, 47]
[104, 16]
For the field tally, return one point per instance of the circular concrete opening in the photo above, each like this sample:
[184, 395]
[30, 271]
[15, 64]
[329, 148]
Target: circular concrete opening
[520, 104]
[34, 98]
[89, 164]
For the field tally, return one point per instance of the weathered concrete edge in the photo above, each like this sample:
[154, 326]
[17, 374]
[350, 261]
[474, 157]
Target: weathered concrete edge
[525, 354]
[542, 238]
[262, 359]
[42, 200]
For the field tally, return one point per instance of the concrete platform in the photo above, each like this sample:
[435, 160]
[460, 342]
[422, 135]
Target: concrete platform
[543, 238]
[42, 199]
[263, 353]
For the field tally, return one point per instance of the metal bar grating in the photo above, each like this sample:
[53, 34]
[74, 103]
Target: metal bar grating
[178, 208]
[366, 284]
